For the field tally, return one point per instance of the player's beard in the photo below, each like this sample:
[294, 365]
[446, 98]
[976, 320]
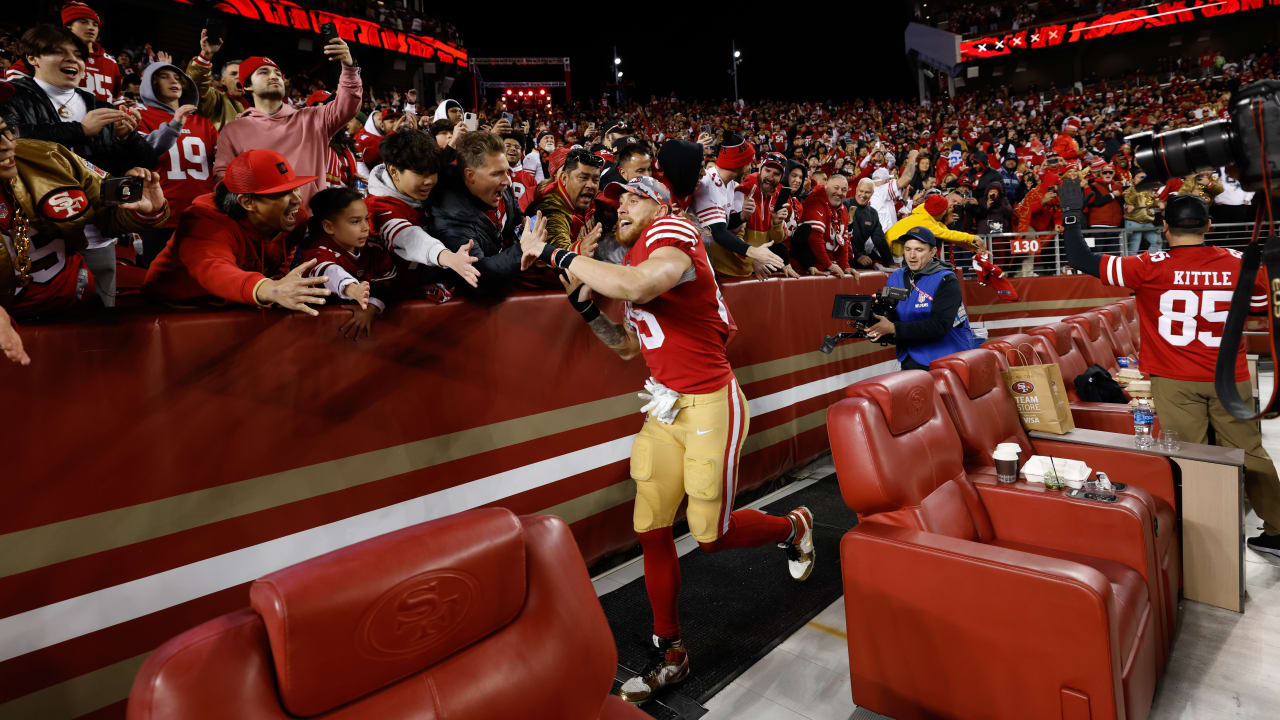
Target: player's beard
[627, 236]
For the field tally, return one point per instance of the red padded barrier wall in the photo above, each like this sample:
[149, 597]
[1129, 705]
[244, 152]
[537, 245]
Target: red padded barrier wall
[158, 463]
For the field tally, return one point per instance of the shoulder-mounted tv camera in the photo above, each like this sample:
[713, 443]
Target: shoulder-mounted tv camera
[860, 311]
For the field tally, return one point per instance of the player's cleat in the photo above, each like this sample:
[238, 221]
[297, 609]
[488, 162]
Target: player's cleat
[800, 552]
[668, 665]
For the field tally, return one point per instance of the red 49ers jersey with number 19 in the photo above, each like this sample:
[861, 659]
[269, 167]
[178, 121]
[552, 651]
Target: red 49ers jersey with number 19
[1183, 296]
[186, 170]
[683, 332]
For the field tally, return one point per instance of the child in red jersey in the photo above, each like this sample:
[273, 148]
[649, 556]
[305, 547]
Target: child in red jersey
[356, 269]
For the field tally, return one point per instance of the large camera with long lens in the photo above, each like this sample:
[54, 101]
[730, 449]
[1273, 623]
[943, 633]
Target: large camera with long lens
[860, 311]
[1249, 140]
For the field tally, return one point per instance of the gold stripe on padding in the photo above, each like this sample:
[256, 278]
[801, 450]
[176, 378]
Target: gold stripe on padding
[785, 431]
[67, 539]
[77, 696]
[1031, 305]
[593, 503]
[56, 542]
[803, 361]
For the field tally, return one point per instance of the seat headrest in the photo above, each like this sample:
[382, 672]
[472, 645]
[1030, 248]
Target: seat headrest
[352, 621]
[1059, 333]
[977, 370]
[905, 398]
[1088, 324]
[1017, 349]
[1113, 316]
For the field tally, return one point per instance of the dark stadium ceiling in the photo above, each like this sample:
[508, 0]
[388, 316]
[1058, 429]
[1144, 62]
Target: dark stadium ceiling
[789, 50]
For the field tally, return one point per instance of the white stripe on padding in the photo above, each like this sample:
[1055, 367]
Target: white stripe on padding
[800, 393]
[1020, 322]
[71, 618]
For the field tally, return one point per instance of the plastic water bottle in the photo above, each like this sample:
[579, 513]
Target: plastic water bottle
[1142, 419]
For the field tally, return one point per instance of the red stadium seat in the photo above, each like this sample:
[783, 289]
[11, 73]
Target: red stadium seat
[1071, 359]
[1094, 344]
[984, 414]
[966, 598]
[477, 615]
[1017, 348]
[1121, 339]
[1130, 307]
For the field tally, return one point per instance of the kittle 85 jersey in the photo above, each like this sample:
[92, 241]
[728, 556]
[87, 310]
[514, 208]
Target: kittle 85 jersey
[683, 332]
[1183, 296]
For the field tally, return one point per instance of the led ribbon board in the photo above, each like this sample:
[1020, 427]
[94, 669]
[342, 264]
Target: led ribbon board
[1159, 15]
[364, 32]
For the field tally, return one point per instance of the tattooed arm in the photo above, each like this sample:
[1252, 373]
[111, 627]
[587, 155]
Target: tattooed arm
[616, 336]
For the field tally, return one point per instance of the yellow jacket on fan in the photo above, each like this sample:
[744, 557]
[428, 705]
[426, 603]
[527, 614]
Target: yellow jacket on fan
[919, 217]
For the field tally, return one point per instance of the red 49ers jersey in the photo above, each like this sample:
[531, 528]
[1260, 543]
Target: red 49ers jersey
[683, 332]
[186, 170]
[1183, 296]
[101, 74]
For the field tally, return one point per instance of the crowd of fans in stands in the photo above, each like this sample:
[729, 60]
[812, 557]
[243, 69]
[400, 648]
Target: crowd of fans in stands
[967, 17]
[258, 192]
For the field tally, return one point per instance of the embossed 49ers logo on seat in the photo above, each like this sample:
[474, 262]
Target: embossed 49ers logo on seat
[418, 613]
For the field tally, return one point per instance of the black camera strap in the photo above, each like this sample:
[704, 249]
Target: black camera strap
[1224, 376]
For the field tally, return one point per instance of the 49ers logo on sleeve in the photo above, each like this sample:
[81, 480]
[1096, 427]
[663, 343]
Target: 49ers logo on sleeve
[64, 204]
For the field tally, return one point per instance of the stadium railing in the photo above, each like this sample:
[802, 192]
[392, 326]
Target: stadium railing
[1052, 258]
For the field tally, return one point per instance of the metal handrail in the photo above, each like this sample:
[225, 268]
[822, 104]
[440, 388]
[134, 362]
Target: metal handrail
[1052, 260]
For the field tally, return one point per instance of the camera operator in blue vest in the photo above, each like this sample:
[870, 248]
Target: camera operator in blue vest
[932, 321]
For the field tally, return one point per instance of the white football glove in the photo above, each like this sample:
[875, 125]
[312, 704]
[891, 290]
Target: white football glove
[661, 403]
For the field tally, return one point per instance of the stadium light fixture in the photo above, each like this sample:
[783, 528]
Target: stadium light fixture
[542, 92]
[737, 53]
[619, 73]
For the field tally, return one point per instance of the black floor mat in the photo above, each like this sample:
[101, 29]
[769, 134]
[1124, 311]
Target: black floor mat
[735, 606]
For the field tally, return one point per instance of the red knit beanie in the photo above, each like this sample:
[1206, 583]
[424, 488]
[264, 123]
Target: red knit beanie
[735, 157]
[936, 205]
[1050, 179]
[78, 11]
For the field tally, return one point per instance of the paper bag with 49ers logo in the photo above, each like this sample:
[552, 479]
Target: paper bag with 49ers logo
[1041, 397]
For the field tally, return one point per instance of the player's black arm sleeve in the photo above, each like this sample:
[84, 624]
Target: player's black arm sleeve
[735, 220]
[1079, 255]
[946, 303]
[726, 239]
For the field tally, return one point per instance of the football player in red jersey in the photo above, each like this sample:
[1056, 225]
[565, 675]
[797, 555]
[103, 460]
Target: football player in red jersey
[101, 73]
[697, 416]
[1183, 296]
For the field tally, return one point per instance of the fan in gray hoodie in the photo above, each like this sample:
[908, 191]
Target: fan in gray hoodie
[168, 126]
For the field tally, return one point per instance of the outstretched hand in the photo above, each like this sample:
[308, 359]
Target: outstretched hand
[763, 255]
[11, 342]
[293, 291]
[532, 240]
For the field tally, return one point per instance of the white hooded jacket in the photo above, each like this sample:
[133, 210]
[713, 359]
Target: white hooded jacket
[403, 238]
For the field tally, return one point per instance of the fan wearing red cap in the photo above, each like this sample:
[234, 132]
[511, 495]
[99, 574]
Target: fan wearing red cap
[764, 227]
[721, 210]
[48, 195]
[302, 135]
[379, 124]
[231, 243]
[931, 215]
[101, 72]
